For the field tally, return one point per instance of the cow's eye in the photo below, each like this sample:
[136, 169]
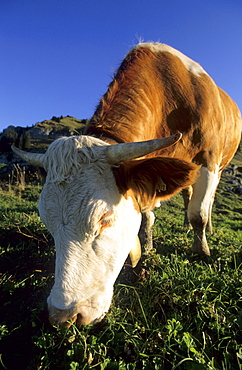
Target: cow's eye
[106, 220]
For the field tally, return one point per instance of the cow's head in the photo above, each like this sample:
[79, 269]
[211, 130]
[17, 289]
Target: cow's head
[91, 203]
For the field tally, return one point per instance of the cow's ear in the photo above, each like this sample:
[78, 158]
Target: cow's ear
[155, 179]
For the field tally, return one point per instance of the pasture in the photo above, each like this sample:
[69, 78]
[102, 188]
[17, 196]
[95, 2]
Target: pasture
[176, 311]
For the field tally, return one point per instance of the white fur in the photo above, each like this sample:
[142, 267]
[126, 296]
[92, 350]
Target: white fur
[192, 66]
[66, 155]
[200, 207]
[80, 189]
[203, 191]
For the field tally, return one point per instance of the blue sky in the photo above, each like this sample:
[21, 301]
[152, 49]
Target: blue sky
[58, 56]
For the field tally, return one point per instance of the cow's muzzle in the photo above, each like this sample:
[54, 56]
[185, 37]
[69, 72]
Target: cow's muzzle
[65, 318]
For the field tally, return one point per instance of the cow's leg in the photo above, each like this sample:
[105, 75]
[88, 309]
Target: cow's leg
[187, 195]
[209, 227]
[199, 208]
[145, 232]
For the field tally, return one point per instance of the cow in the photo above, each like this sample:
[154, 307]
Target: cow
[162, 126]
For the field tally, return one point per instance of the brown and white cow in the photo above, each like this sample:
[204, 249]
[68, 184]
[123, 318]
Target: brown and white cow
[95, 192]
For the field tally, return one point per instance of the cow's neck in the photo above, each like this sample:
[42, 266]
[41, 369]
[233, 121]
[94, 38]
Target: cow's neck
[128, 111]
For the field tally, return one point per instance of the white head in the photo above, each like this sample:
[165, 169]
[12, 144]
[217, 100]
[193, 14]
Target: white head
[93, 219]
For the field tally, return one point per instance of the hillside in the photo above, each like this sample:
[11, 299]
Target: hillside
[57, 126]
[41, 134]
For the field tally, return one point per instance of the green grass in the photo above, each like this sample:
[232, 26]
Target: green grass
[179, 312]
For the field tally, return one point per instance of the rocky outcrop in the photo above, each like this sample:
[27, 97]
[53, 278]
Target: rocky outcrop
[43, 132]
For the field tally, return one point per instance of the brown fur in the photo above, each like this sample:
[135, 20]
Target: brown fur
[154, 179]
[154, 95]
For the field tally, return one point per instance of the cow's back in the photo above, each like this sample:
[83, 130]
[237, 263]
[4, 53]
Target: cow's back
[157, 91]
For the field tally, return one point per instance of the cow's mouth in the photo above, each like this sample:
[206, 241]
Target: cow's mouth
[79, 314]
[80, 320]
[65, 318]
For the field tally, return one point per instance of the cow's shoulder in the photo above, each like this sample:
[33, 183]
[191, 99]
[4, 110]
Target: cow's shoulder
[159, 48]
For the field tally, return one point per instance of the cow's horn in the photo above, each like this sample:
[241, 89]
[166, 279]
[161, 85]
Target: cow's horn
[36, 159]
[135, 253]
[127, 151]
